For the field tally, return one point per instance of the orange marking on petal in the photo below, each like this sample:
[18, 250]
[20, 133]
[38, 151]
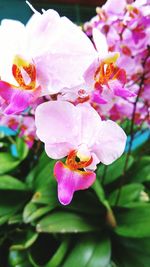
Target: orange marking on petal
[73, 164]
[104, 73]
[20, 64]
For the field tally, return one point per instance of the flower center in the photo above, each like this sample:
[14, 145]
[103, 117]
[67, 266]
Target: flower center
[104, 73]
[74, 162]
[108, 71]
[23, 71]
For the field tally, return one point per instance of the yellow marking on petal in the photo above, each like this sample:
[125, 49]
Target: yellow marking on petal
[83, 157]
[130, 8]
[20, 62]
[111, 58]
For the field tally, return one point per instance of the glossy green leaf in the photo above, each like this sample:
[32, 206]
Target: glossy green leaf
[8, 182]
[140, 172]
[67, 222]
[59, 255]
[115, 170]
[90, 252]
[22, 148]
[87, 203]
[15, 219]
[128, 194]
[29, 209]
[44, 175]
[32, 212]
[18, 259]
[5, 218]
[133, 252]
[46, 194]
[25, 241]
[134, 222]
[10, 203]
[7, 162]
[110, 218]
[34, 177]
[141, 245]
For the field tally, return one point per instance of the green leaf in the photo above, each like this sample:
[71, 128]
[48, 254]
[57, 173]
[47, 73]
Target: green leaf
[10, 203]
[34, 178]
[25, 241]
[32, 212]
[134, 222]
[29, 209]
[5, 218]
[140, 172]
[101, 195]
[17, 218]
[129, 193]
[22, 148]
[46, 194]
[44, 175]
[140, 245]
[8, 182]
[59, 254]
[133, 252]
[115, 170]
[18, 259]
[86, 203]
[66, 222]
[90, 252]
[7, 162]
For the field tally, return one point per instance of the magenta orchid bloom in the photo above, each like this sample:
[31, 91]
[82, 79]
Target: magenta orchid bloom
[78, 133]
[20, 97]
[54, 60]
[125, 25]
[103, 75]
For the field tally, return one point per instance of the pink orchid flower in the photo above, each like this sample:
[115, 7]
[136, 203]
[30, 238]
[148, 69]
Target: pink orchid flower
[56, 51]
[114, 7]
[103, 75]
[20, 97]
[78, 133]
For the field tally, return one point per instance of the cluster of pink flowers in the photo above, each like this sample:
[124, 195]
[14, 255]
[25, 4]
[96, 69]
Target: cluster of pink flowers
[54, 78]
[126, 26]
[21, 125]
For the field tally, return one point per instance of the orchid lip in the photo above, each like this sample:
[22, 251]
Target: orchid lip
[70, 181]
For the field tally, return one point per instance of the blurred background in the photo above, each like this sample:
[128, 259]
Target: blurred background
[77, 10]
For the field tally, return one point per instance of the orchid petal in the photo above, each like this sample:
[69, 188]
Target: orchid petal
[70, 181]
[123, 92]
[46, 24]
[121, 76]
[90, 122]
[111, 142]
[113, 6]
[89, 74]
[17, 100]
[119, 90]
[57, 122]
[67, 60]
[97, 98]
[58, 150]
[13, 41]
[100, 43]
